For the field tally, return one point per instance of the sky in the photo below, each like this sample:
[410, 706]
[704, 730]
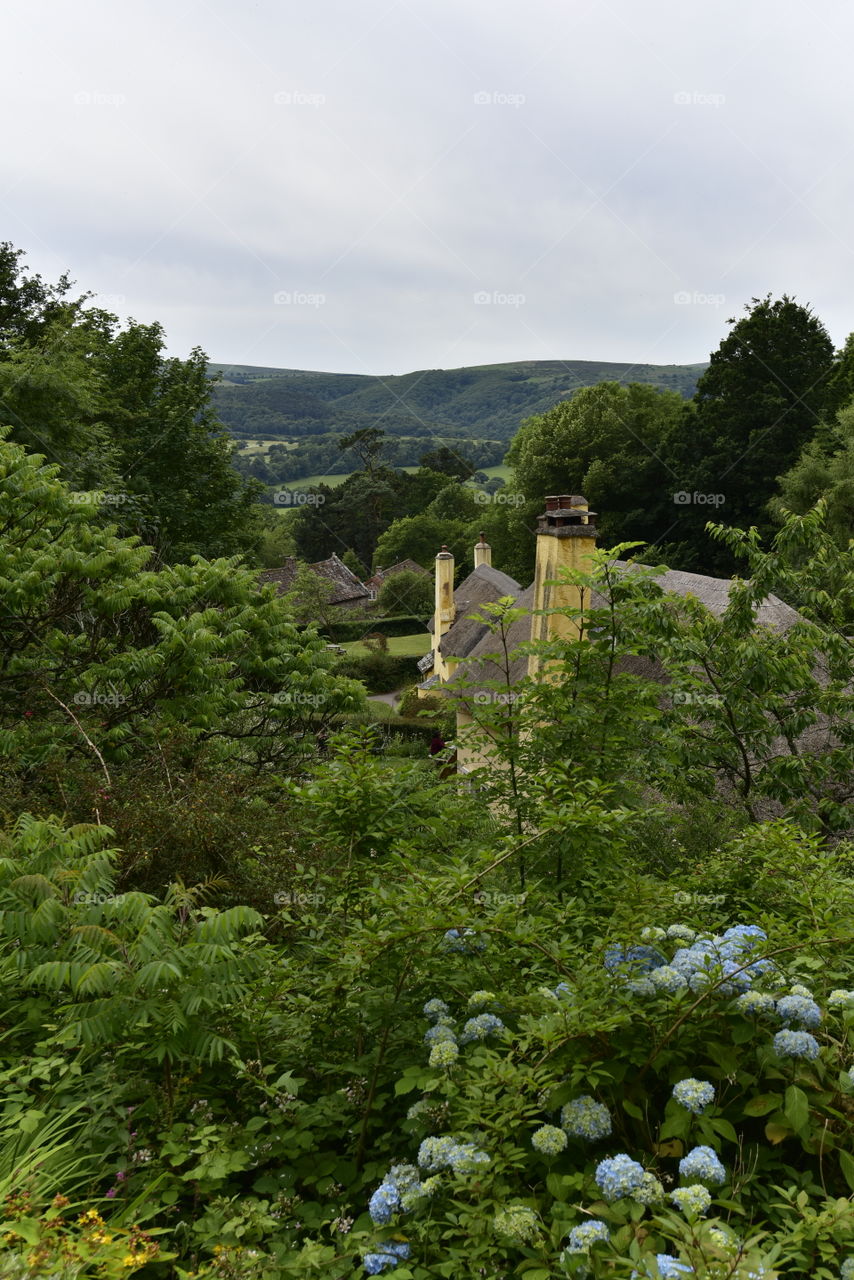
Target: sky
[391, 185]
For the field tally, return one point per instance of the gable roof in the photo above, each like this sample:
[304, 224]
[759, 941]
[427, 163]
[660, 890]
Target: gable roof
[345, 584]
[402, 566]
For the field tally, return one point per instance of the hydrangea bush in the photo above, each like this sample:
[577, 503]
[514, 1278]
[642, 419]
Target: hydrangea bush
[683, 1106]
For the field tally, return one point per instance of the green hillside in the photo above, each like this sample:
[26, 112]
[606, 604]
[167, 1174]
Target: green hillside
[481, 402]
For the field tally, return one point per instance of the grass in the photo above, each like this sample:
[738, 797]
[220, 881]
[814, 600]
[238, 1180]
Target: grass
[414, 646]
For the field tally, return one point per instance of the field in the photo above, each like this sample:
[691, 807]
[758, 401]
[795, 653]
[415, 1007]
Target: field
[414, 646]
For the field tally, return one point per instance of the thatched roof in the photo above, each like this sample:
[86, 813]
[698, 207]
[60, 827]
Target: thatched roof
[484, 585]
[711, 592]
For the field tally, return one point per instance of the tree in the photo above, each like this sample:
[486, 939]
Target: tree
[605, 443]
[419, 538]
[448, 462]
[758, 403]
[406, 592]
[354, 564]
[367, 444]
[825, 470]
[101, 655]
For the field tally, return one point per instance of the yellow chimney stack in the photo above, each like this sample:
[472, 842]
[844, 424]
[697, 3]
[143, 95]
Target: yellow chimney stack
[482, 552]
[566, 539]
[445, 611]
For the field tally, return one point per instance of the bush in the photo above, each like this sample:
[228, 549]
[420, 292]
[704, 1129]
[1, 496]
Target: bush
[355, 629]
[380, 672]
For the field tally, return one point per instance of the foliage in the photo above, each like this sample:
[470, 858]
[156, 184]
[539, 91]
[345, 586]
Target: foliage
[104, 655]
[407, 592]
[824, 470]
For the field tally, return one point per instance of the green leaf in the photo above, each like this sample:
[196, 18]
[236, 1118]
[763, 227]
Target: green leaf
[796, 1108]
[762, 1104]
[846, 1164]
[632, 1109]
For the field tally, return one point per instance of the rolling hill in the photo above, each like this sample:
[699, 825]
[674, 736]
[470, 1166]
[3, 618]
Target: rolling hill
[482, 402]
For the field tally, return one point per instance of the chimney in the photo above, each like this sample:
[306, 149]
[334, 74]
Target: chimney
[566, 539]
[482, 552]
[445, 611]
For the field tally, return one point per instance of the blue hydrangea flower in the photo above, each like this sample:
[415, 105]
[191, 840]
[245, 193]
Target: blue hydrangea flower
[796, 1044]
[693, 1199]
[840, 999]
[480, 999]
[640, 959]
[464, 942]
[388, 1254]
[586, 1118]
[799, 1009]
[846, 1271]
[653, 934]
[564, 991]
[585, 1235]
[756, 1004]
[695, 1095]
[799, 990]
[549, 1140]
[618, 1176]
[669, 1268]
[383, 1203]
[441, 1031]
[485, 1024]
[435, 1008]
[703, 1164]
[446, 1152]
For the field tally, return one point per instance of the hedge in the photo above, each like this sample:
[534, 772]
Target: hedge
[400, 625]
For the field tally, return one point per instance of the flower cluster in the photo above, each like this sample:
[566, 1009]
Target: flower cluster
[796, 1044]
[444, 1053]
[694, 1199]
[464, 941]
[702, 1163]
[481, 999]
[799, 1009]
[435, 1009]
[549, 1140]
[669, 1268]
[586, 1118]
[619, 1176]
[518, 1222]
[695, 1095]
[756, 1004]
[440, 1031]
[840, 999]
[388, 1254]
[449, 1153]
[585, 1235]
[397, 1192]
[478, 1028]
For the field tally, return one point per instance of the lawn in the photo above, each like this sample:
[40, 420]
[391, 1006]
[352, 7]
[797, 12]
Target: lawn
[414, 646]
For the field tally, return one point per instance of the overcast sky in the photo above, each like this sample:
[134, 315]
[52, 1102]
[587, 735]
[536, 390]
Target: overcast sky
[374, 186]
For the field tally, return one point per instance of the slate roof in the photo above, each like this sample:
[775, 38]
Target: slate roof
[346, 586]
[402, 566]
